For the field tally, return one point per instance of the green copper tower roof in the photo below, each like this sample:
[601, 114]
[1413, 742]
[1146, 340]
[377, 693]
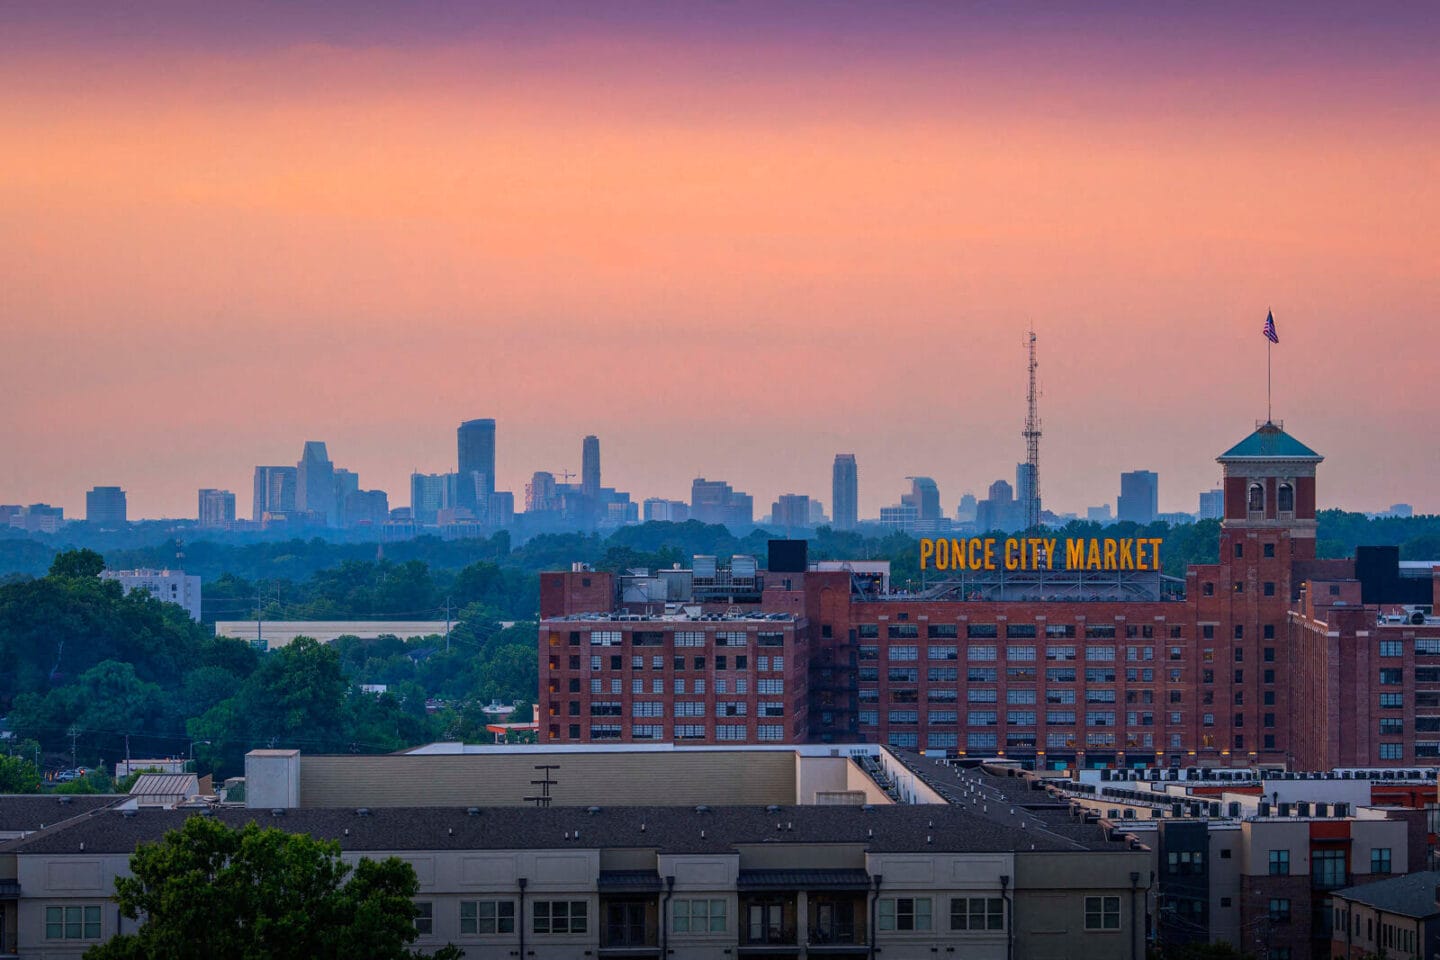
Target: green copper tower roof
[1269, 442]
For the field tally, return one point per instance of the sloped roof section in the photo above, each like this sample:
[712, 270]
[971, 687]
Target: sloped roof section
[1269, 442]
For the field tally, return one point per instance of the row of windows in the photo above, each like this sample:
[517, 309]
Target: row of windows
[1015, 631]
[740, 661]
[683, 638]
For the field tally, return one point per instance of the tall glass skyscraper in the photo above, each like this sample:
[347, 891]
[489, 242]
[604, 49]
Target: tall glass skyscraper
[845, 491]
[475, 441]
[315, 483]
[590, 467]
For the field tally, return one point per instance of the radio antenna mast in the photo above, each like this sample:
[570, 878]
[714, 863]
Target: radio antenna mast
[1032, 446]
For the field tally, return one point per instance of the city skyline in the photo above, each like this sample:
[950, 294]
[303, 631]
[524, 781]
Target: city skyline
[804, 230]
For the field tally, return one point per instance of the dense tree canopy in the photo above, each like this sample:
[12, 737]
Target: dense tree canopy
[210, 892]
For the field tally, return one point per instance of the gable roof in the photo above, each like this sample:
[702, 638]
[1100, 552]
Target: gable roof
[1269, 442]
[900, 828]
[25, 813]
[1413, 895]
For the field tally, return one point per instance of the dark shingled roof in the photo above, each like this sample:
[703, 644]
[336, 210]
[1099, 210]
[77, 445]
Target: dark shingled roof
[901, 828]
[1009, 802]
[29, 812]
[1412, 895]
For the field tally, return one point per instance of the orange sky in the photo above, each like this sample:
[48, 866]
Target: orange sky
[723, 262]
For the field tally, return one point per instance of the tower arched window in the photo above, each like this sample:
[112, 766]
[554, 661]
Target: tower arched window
[1255, 502]
[1285, 498]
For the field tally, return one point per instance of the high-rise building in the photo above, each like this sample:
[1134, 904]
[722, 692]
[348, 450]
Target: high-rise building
[105, 508]
[1025, 490]
[475, 441]
[366, 508]
[666, 511]
[501, 512]
[715, 501]
[217, 508]
[1139, 499]
[432, 492]
[541, 493]
[924, 496]
[845, 491]
[38, 518]
[1100, 514]
[346, 483]
[315, 483]
[791, 511]
[965, 512]
[590, 467]
[274, 491]
[1000, 510]
[168, 586]
[1212, 505]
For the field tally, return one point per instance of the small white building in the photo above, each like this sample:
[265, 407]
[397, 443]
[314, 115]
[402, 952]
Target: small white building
[171, 586]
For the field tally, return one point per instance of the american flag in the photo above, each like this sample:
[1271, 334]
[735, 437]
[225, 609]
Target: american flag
[1270, 333]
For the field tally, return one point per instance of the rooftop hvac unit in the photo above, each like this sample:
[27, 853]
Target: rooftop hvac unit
[704, 567]
[742, 566]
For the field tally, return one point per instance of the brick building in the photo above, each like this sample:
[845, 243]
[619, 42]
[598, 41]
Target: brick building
[1267, 657]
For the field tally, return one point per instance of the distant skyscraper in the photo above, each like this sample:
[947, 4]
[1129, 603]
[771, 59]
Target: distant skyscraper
[315, 483]
[541, 493]
[1025, 489]
[1212, 505]
[1000, 510]
[590, 467]
[367, 508]
[502, 509]
[845, 491]
[105, 508]
[667, 511]
[432, 492]
[274, 491]
[924, 496]
[1139, 497]
[965, 512]
[217, 508]
[1100, 514]
[715, 501]
[476, 446]
[346, 483]
[791, 511]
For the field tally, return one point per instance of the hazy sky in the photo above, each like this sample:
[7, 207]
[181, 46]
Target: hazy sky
[731, 239]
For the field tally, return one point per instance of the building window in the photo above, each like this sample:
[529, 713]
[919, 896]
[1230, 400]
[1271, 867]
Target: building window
[1380, 860]
[1285, 498]
[1392, 648]
[1327, 868]
[698, 916]
[72, 923]
[1279, 863]
[1102, 913]
[1255, 502]
[1393, 677]
[1279, 910]
[487, 917]
[1392, 751]
[1268, 550]
[424, 918]
[977, 913]
[1269, 588]
[1239, 550]
[559, 916]
[905, 913]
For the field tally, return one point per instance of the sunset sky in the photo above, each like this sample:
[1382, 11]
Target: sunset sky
[729, 238]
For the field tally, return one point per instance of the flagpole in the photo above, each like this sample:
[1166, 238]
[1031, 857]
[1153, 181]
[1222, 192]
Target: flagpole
[1268, 345]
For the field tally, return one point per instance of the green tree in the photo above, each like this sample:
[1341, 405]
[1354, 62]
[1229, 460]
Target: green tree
[261, 893]
[77, 564]
[18, 775]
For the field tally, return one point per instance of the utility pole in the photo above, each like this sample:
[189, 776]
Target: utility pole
[1032, 445]
[74, 733]
[259, 636]
[447, 624]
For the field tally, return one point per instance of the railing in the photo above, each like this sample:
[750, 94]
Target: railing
[840, 933]
[772, 934]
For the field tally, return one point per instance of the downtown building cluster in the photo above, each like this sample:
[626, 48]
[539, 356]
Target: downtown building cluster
[1268, 657]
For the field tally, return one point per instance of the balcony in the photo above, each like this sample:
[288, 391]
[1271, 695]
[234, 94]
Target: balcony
[629, 919]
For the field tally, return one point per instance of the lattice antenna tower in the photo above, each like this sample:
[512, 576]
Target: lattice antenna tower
[1032, 444]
